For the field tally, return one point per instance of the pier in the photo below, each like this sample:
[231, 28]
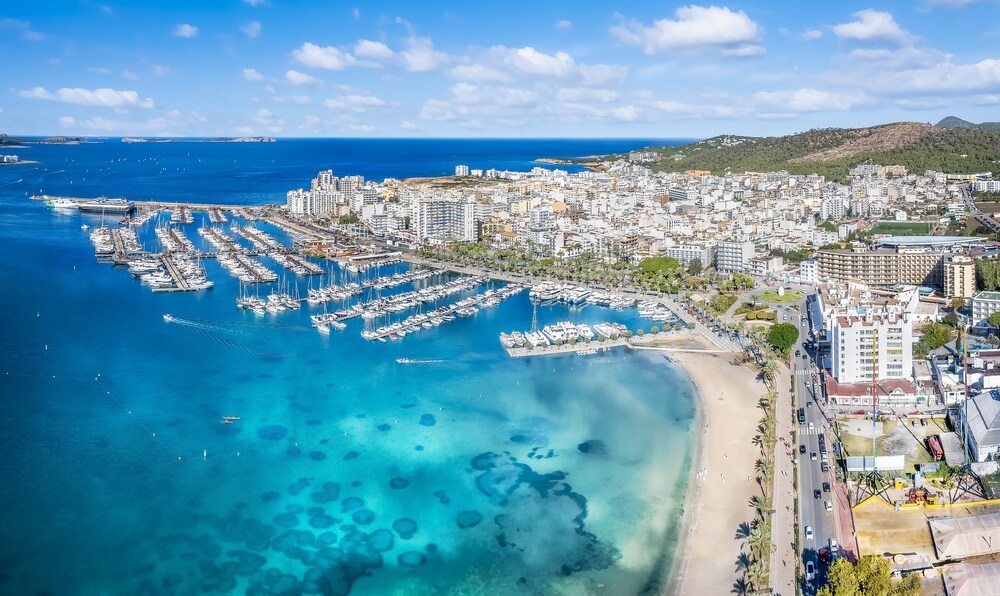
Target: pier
[593, 346]
[179, 281]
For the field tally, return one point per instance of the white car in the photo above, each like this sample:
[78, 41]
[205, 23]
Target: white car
[828, 505]
[809, 532]
[810, 571]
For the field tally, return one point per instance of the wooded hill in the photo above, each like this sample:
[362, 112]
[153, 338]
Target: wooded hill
[832, 151]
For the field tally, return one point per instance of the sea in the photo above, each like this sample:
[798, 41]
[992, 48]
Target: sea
[434, 464]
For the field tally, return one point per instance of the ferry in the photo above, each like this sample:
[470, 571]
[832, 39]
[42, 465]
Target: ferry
[106, 206]
[62, 204]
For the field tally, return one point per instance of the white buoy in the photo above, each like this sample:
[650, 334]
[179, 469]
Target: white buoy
[204, 454]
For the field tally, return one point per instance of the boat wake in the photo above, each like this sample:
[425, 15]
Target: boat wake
[417, 361]
[208, 332]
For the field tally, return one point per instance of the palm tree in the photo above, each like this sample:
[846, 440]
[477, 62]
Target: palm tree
[767, 400]
[768, 371]
[757, 574]
[760, 504]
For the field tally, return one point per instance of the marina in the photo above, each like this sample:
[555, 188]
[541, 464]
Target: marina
[181, 215]
[174, 241]
[575, 295]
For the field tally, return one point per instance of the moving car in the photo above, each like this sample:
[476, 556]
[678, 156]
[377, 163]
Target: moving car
[812, 456]
[802, 449]
[817, 494]
[809, 532]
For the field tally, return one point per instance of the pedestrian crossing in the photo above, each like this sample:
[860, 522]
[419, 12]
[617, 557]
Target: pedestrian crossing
[805, 430]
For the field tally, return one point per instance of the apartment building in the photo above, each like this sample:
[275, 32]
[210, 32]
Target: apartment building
[856, 339]
[733, 256]
[983, 305]
[959, 276]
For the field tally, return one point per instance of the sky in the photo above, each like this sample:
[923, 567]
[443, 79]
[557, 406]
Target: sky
[289, 68]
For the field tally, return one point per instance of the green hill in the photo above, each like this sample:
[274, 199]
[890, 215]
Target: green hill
[955, 122]
[832, 151]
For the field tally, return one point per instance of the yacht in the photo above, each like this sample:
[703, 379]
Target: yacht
[63, 204]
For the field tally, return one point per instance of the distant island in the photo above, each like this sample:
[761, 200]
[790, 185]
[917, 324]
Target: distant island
[190, 140]
[8, 141]
[953, 145]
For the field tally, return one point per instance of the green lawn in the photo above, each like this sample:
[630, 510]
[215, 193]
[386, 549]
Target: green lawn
[791, 296]
[903, 228]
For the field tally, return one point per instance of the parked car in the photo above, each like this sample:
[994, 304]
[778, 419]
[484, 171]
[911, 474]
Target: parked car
[824, 467]
[828, 505]
[826, 487]
[802, 449]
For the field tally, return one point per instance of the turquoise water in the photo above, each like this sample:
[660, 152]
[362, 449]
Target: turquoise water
[468, 472]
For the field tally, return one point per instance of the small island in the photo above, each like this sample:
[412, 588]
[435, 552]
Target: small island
[183, 140]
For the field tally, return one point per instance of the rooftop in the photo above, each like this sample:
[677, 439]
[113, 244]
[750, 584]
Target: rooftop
[910, 241]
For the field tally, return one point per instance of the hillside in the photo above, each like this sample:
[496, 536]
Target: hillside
[955, 122]
[832, 151]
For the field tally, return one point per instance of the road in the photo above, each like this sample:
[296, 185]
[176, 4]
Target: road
[812, 511]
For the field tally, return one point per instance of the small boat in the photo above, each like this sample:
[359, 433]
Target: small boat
[168, 318]
[229, 419]
[84, 227]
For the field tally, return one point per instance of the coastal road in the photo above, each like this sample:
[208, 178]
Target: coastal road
[812, 510]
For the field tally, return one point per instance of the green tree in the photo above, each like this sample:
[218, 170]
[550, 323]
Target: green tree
[667, 265]
[994, 319]
[936, 335]
[783, 336]
[957, 303]
[872, 576]
[348, 219]
[694, 267]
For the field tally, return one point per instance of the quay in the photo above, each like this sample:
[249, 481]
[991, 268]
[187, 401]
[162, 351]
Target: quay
[567, 348]
[180, 283]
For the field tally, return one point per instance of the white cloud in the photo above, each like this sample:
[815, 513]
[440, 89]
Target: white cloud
[301, 79]
[268, 120]
[563, 25]
[159, 70]
[185, 30]
[499, 96]
[811, 34]
[251, 74]
[362, 128]
[807, 100]
[326, 57]
[356, 12]
[100, 70]
[107, 9]
[407, 125]
[24, 27]
[954, 3]
[251, 29]
[586, 94]
[694, 27]
[478, 72]
[420, 55]
[945, 78]
[128, 74]
[354, 102]
[172, 123]
[255, 2]
[372, 49]
[872, 25]
[531, 61]
[107, 98]
[295, 99]
[602, 74]
[1, 110]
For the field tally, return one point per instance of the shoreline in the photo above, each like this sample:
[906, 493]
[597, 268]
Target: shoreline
[711, 511]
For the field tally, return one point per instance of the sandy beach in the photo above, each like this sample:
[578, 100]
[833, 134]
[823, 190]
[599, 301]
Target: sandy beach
[723, 474]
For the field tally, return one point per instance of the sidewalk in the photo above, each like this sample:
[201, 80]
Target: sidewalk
[785, 559]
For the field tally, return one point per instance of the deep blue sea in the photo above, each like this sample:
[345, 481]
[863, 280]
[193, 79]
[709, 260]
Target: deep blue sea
[466, 472]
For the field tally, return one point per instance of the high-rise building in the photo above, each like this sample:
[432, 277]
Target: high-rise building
[733, 256]
[461, 170]
[856, 340]
[959, 276]
[446, 219]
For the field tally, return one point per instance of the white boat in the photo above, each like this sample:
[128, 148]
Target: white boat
[63, 204]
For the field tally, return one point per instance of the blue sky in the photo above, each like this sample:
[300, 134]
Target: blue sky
[516, 69]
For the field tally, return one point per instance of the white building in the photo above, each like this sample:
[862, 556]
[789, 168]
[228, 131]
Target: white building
[733, 256]
[461, 170]
[809, 272]
[685, 253]
[854, 340]
[983, 305]
[833, 208]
